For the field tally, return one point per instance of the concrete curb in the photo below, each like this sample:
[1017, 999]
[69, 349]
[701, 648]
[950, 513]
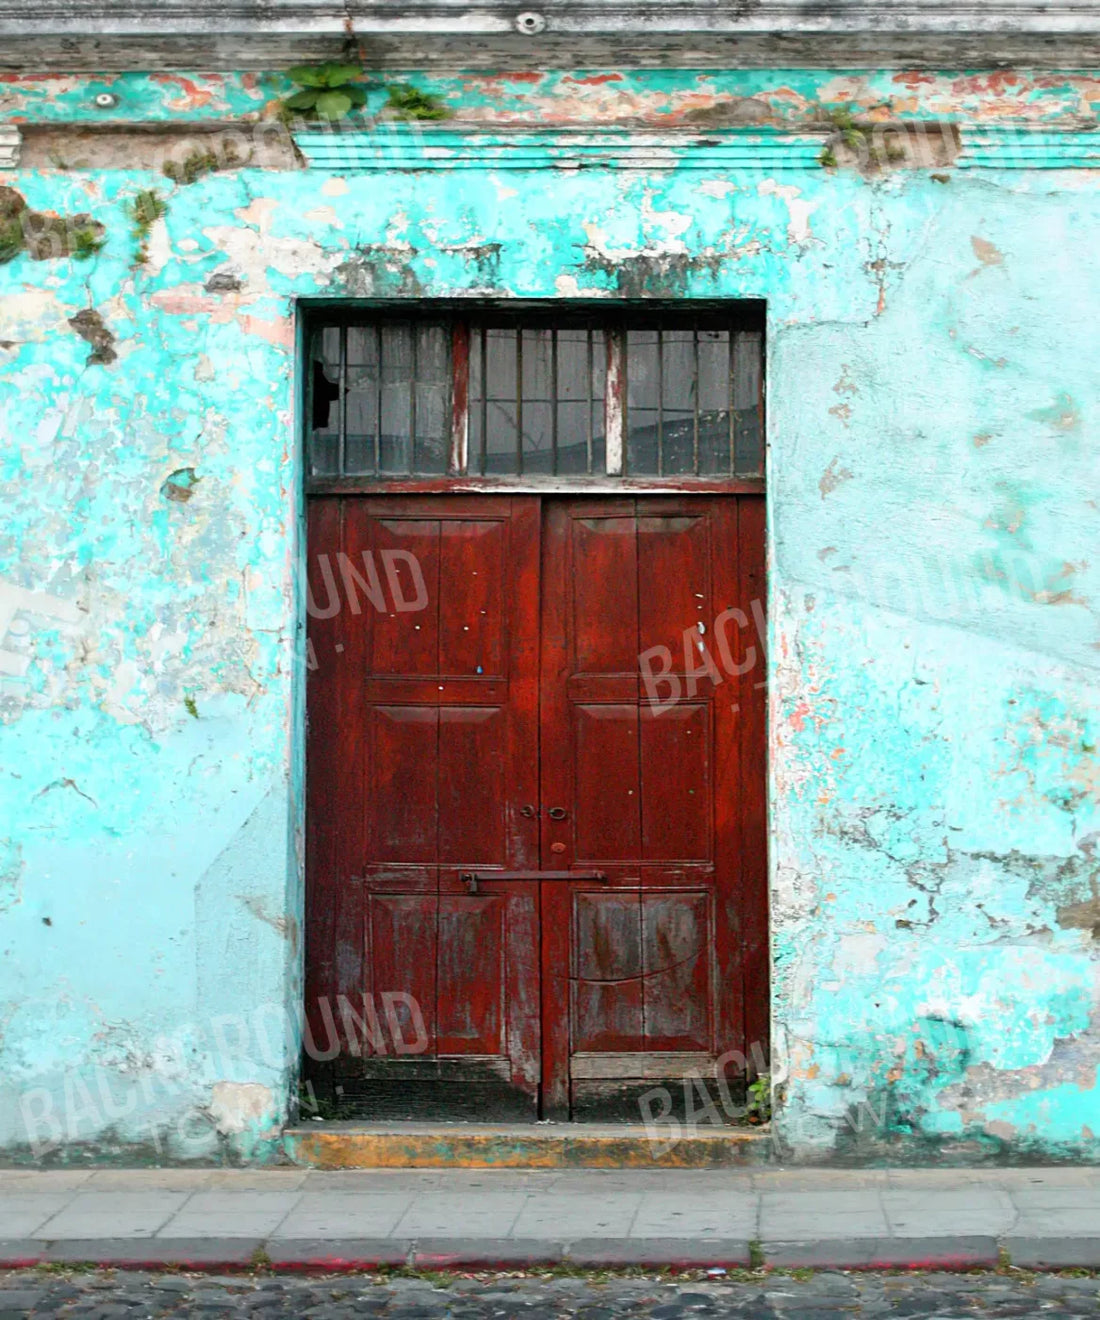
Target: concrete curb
[1061, 1253]
[944, 1253]
[312, 1254]
[146, 1253]
[315, 1255]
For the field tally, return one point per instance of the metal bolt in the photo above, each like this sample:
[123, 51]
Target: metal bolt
[530, 23]
[106, 100]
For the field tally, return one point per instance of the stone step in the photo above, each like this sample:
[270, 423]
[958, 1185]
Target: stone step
[357, 1145]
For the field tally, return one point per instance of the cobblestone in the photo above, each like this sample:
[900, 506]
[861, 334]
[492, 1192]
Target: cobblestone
[828, 1295]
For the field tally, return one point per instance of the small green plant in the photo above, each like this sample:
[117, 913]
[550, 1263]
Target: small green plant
[860, 140]
[145, 208]
[328, 91]
[200, 162]
[12, 234]
[408, 102]
[87, 241]
[312, 1105]
[44, 235]
[11, 239]
[760, 1099]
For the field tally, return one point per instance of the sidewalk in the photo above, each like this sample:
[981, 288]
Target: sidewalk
[301, 1219]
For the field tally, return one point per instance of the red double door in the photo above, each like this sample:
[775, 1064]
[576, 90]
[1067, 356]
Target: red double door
[536, 840]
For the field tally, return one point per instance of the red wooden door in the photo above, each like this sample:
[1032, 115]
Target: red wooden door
[483, 723]
[422, 753]
[658, 971]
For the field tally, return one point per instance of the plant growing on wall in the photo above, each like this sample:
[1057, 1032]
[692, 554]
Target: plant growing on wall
[45, 235]
[331, 91]
[760, 1100]
[145, 208]
[203, 161]
[328, 91]
[408, 102]
[860, 143]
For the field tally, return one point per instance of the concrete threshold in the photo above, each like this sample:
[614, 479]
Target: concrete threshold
[333, 1145]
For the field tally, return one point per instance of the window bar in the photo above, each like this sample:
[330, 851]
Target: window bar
[519, 401]
[590, 400]
[342, 410]
[554, 401]
[483, 385]
[413, 340]
[695, 401]
[660, 403]
[757, 404]
[733, 354]
[761, 389]
[614, 395]
[378, 401]
[458, 463]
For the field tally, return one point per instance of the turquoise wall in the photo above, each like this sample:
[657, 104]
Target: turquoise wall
[933, 395]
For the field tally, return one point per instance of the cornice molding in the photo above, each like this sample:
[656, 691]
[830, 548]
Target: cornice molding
[404, 147]
[437, 34]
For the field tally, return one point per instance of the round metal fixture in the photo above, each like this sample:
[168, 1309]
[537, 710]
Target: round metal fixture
[530, 23]
[105, 100]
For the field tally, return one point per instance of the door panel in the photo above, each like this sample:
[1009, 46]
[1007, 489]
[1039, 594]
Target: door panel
[428, 751]
[477, 705]
[644, 970]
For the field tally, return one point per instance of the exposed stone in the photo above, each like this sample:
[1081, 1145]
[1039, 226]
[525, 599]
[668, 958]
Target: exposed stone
[89, 325]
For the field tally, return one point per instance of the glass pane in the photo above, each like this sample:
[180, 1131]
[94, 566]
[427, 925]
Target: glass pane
[714, 403]
[476, 405]
[599, 387]
[748, 368]
[574, 394]
[396, 398]
[433, 399]
[501, 364]
[643, 392]
[362, 410]
[324, 390]
[538, 400]
[678, 387]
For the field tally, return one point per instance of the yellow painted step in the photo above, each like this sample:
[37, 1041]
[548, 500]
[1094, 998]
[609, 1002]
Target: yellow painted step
[519, 1146]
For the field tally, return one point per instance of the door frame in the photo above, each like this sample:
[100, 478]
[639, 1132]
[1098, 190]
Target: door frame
[758, 1026]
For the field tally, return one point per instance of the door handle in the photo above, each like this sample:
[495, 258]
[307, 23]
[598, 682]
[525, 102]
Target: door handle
[470, 878]
[557, 813]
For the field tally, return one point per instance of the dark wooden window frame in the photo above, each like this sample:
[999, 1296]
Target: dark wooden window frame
[613, 318]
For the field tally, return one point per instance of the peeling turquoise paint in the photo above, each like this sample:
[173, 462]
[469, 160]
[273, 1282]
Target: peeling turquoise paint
[935, 791]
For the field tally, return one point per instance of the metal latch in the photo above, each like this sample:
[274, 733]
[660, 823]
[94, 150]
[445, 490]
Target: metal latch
[471, 878]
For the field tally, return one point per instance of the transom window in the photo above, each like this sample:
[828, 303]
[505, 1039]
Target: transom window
[519, 394]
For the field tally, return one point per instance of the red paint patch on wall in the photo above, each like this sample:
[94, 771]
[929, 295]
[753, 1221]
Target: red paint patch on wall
[991, 84]
[194, 96]
[528, 77]
[595, 79]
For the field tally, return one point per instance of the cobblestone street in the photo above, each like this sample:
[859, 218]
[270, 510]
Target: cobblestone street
[107, 1294]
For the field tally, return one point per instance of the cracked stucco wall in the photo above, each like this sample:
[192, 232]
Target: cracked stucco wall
[935, 705]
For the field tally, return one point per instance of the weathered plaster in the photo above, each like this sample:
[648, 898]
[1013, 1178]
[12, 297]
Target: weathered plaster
[932, 504]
